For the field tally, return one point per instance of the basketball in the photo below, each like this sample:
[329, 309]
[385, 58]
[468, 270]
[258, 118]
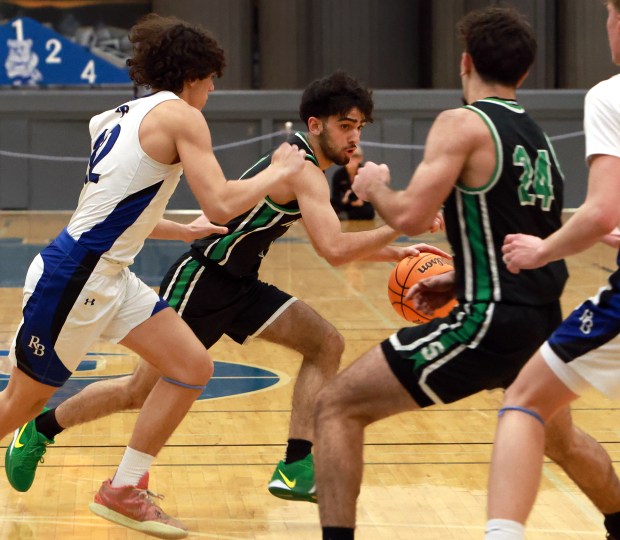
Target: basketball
[406, 274]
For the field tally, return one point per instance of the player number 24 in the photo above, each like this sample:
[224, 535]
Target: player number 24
[534, 182]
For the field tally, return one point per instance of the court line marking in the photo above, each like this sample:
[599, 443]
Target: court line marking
[52, 520]
[93, 523]
[586, 508]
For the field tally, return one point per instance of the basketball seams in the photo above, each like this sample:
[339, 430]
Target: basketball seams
[403, 284]
[412, 269]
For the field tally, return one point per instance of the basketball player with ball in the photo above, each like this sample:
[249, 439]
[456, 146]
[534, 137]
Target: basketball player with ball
[494, 172]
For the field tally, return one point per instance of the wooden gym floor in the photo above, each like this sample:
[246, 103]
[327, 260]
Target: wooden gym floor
[425, 474]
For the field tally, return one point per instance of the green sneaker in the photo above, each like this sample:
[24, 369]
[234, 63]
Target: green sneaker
[24, 454]
[294, 481]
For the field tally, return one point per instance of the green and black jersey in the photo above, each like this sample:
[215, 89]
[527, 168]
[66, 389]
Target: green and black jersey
[524, 195]
[250, 235]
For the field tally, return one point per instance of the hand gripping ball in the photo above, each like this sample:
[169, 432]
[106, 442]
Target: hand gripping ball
[406, 274]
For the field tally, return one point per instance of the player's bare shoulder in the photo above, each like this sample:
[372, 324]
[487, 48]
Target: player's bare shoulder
[308, 180]
[176, 115]
[169, 125]
[455, 132]
[462, 122]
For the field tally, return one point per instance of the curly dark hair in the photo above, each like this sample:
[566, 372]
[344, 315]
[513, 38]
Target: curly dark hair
[501, 42]
[167, 52]
[336, 94]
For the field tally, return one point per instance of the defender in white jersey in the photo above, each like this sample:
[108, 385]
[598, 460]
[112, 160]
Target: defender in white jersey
[583, 351]
[81, 280]
[79, 288]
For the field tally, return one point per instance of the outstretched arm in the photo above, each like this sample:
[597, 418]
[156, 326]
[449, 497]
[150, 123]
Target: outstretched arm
[219, 198]
[324, 228]
[186, 232]
[595, 218]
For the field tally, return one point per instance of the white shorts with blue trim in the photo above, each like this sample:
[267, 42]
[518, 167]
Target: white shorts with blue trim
[109, 303]
[585, 349]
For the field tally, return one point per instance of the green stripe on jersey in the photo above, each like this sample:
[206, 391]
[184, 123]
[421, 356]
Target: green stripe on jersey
[459, 335]
[182, 282]
[479, 246]
[276, 206]
[264, 216]
[309, 156]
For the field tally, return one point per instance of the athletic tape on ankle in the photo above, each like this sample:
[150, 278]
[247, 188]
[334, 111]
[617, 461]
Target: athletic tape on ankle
[523, 410]
[184, 385]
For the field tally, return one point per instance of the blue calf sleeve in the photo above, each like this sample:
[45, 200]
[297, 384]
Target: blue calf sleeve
[523, 410]
[184, 385]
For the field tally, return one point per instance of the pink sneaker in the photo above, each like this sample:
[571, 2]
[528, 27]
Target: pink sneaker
[133, 507]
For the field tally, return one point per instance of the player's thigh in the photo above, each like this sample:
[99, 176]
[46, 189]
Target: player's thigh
[169, 345]
[301, 328]
[539, 389]
[366, 390]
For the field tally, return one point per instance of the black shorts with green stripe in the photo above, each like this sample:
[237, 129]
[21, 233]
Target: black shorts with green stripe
[479, 346]
[214, 302]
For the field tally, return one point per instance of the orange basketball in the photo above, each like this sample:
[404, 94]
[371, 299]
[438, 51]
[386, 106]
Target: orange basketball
[406, 274]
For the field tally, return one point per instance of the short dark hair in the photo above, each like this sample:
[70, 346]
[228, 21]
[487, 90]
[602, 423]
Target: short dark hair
[336, 94]
[167, 52]
[501, 42]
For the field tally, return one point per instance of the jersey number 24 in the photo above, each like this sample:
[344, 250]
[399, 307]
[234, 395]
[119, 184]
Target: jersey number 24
[535, 181]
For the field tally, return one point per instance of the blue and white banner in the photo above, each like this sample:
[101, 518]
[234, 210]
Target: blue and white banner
[33, 55]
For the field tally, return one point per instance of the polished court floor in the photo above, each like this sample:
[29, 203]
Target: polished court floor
[425, 474]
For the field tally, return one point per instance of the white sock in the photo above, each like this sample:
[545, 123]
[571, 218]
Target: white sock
[133, 467]
[504, 529]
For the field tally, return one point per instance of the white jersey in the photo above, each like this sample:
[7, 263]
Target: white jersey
[125, 192]
[583, 351]
[602, 118]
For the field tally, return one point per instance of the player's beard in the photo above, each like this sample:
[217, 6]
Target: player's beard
[331, 153]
